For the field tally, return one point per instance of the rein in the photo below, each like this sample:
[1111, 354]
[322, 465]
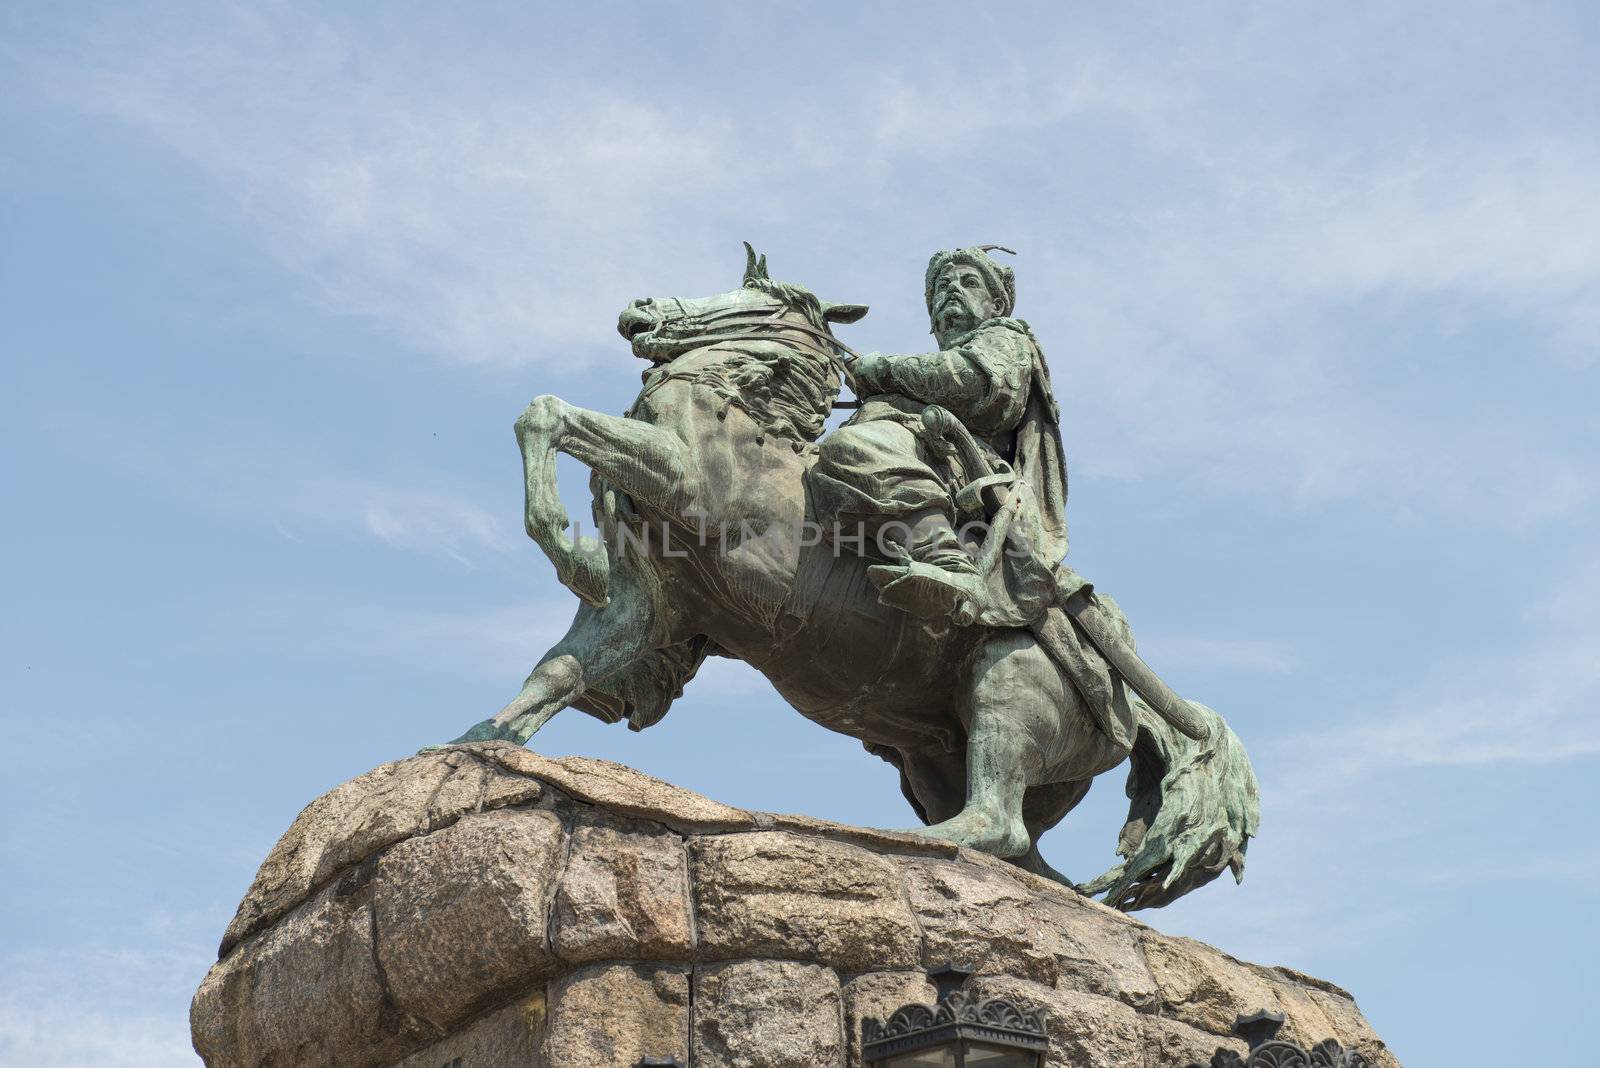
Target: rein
[747, 315]
[742, 316]
[762, 323]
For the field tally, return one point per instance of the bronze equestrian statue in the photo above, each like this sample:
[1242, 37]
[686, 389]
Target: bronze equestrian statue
[899, 580]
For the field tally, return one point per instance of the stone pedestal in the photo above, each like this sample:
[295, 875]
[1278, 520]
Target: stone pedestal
[506, 909]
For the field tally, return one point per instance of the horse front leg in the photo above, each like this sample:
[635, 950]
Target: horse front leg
[649, 464]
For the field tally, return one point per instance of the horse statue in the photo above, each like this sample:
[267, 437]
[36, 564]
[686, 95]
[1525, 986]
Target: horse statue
[707, 545]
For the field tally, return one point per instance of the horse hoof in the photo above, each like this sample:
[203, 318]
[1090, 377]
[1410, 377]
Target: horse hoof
[978, 830]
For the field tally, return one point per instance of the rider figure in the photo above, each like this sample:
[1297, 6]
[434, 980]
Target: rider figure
[877, 470]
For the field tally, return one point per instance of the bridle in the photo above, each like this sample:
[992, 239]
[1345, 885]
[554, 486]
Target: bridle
[759, 327]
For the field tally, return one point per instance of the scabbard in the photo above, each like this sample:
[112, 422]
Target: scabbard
[1090, 676]
[1138, 675]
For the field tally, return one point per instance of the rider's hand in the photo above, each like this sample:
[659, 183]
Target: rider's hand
[867, 373]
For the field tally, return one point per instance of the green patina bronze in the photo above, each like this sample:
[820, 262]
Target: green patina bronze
[899, 580]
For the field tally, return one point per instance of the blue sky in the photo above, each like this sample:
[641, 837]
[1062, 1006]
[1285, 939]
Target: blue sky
[1320, 289]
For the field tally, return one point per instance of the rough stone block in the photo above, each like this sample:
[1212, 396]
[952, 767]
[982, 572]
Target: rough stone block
[355, 820]
[429, 899]
[775, 894]
[508, 1036]
[625, 894]
[612, 1015]
[985, 919]
[461, 913]
[1085, 1030]
[1172, 1043]
[1095, 957]
[1202, 987]
[1352, 1029]
[877, 995]
[871, 837]
[1305, 1023]
[767, 1014]
[306, 992]
[622, 789]
[979, 919]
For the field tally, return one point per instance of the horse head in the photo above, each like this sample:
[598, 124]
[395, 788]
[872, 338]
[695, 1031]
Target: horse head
[660, 329]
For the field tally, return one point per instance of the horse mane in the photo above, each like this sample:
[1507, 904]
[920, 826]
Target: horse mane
[787, 390]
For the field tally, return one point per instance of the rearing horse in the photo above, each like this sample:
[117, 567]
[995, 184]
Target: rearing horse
[701, 501]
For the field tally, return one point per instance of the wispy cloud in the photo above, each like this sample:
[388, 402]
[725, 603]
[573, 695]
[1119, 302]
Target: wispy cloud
[89, 1008]
[1545, 715]
[501, 642]
[1248, 654]
[259, 474]
[1363, 796]
[1530, 702]
[479, 226]
[71, 1034]
[1258, 370]
[427, 522]
[1202, 307]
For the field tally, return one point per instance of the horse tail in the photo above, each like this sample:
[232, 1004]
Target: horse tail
[1193, 808]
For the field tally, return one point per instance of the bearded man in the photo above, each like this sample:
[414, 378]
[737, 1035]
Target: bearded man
[879, 476]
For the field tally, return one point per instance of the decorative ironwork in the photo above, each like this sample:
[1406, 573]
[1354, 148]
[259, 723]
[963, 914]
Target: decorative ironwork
[959, 1016]
[958, 1008]
[1260, 1030]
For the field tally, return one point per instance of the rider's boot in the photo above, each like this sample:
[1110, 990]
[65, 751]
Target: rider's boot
[933, 574]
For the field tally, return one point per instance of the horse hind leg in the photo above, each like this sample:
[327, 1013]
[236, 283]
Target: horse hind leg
[1012, 697]
[937, 780]
[553, 685]
[1042, 808]
[934, 780]
[600, 642]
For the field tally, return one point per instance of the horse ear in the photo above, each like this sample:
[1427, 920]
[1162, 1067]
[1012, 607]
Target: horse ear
[753, 271]
[843, 313]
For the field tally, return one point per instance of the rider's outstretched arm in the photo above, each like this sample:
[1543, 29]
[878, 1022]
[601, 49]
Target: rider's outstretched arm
[984, 382]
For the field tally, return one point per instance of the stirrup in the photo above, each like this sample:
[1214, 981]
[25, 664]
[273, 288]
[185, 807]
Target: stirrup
[929, 592]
